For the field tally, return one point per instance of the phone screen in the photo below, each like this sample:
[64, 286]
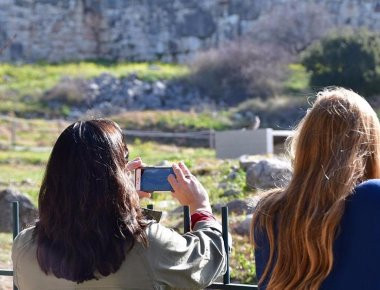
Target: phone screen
[156, 179]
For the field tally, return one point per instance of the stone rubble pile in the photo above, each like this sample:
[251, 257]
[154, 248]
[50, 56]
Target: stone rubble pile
[108, 95]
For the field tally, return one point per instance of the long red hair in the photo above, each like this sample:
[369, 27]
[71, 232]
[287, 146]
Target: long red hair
[336, 146]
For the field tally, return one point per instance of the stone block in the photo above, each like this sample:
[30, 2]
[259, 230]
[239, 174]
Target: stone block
[16, 51]
[197, 23]
[268, 174]
[235, 143]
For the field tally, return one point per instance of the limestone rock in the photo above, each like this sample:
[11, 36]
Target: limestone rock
[243, 227]
[240, 206]
[237, 206]
[198, 23]
[231, 192]
[269, 173]
[28, 212]
[245, 161]
[165, 30]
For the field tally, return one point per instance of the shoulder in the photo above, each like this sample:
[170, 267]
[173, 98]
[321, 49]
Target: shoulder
[371, 184]
[365, 199]
[163, 240]
[21, 244]
[24, 238]
[160, 237]
[159, 234]
[368, 191]
[156, 231]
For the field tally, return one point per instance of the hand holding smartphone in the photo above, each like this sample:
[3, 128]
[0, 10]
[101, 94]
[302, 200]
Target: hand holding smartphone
[151, 179]
[188, 190]
[132, 166]
[184, 186]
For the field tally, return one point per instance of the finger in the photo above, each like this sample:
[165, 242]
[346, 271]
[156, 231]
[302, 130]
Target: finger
[143, 194]
[173, 182]
[174, 195]
[134, 164]
[178, 173]
[137, 163]
[136, 159]
[184, 168]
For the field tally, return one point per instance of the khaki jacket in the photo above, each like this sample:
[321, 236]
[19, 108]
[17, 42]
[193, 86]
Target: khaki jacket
[192, 260]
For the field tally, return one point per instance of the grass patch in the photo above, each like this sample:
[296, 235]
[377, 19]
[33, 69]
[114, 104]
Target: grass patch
[33, 133]
[35, 78]
[25, 178]
[6, 246]
[242, 261]
[5, 260]
[20, 107]
[174, 120]
[24, 157]
[152, 153]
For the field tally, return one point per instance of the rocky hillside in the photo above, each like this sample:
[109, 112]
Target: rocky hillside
[110, 96]
[107, 95]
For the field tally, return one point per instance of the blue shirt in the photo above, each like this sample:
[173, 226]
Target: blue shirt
[356, 248]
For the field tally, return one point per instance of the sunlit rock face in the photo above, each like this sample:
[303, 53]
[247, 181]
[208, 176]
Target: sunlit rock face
[165, 30]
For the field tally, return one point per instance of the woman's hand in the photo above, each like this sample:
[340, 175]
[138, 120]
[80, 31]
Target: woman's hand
[133, 165]
[188, 190]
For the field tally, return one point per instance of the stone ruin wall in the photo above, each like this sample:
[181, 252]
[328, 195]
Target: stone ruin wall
[142, 30]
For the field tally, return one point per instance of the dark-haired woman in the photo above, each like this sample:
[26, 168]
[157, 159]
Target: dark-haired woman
[91, 231]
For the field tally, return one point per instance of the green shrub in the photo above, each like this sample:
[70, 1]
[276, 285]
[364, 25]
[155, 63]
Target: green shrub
[298, 80]
[350, 59]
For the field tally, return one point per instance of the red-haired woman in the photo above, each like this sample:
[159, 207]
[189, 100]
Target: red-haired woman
[322, 231]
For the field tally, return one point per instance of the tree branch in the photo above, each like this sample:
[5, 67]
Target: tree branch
[7, 43]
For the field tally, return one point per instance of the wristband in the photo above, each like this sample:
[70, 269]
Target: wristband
[201, 216]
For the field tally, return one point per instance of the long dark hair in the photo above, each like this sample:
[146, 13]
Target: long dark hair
[89, 214]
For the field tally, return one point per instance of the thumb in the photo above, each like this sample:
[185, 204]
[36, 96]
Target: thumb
[134, 164]
[143, 194]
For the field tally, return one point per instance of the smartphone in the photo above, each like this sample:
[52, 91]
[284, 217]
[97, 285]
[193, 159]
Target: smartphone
[153, 179]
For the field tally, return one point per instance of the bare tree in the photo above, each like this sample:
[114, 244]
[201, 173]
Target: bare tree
[239, 70]
[293, 26]
[7, 44]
